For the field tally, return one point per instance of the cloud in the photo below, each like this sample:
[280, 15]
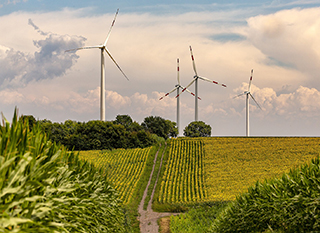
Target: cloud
[291, 38]
[48, 62]
[30, 22]
[301, 103]
[11, 97]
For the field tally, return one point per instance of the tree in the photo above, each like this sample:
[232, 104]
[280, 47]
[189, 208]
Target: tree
[28, 119]
[128, 123]
[197, 129]
[159, 126]
[124, 120]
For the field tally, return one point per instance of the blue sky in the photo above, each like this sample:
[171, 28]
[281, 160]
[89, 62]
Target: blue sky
[103, 7]
[278, 39]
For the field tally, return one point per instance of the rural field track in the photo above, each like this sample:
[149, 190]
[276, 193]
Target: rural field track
[148, 218]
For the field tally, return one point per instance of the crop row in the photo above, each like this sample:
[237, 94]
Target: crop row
[123, 167]
[182, 181]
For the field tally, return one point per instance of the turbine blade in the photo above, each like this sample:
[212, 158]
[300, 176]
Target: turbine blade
[169, 92]
[238, 95]
[192, 93]
[116, 63]
[178, 70]
[255, 101]
[114, 20]
[187, 86]
[193, 63]
[211, 81]
[249, 88]
[85, 47]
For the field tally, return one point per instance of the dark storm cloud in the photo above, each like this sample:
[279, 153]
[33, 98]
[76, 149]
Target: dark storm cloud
[50, 61]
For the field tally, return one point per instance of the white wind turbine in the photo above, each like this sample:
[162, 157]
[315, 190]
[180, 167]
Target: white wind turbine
[177, 87]
[103, 48]
[248, 95]
[195, 79]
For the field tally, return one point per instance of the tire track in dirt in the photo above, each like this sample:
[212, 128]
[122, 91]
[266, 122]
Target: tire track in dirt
[148, 218]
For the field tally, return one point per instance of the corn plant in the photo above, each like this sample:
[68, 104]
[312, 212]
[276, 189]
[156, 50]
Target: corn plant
[288, 204]
[44, 188]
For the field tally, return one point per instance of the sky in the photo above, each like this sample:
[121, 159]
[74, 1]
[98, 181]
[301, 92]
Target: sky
[278, 39]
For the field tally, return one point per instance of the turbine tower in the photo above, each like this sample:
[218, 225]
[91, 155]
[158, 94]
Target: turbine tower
[103, 48]
[248, 95]
[177, 87]
[195, 79]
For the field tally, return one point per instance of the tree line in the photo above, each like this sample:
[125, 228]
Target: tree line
[123, 132]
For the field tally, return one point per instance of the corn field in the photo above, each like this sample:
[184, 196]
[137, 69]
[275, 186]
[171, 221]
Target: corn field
[123, 167]
[44, 188]
[183, 180]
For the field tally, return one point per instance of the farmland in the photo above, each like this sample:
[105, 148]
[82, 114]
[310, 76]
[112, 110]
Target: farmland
[203, 171]
[123, 167]
[182, 180]
[234, 164]
[218, 169]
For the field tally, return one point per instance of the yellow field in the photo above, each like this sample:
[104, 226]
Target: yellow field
[124, 167]
[219, 168]
[234, 164]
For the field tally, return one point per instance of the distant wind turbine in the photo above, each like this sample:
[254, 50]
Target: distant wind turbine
[195, 79]
[177, 87]
[248, 95]
[103, 48]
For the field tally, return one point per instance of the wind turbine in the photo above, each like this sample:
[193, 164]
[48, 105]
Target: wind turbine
[103, 48]
[177, 87]
[248, 95]
[195, 79]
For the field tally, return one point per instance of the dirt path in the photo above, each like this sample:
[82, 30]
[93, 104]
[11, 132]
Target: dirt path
[148, 218]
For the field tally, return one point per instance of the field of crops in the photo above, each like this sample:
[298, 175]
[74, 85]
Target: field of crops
[124, 167]
[218, 169]
[182, 181]
[234, 164]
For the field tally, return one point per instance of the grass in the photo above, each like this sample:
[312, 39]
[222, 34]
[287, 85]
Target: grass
[197, 219]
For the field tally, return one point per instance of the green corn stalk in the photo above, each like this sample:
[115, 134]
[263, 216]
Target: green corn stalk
[44, 188]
